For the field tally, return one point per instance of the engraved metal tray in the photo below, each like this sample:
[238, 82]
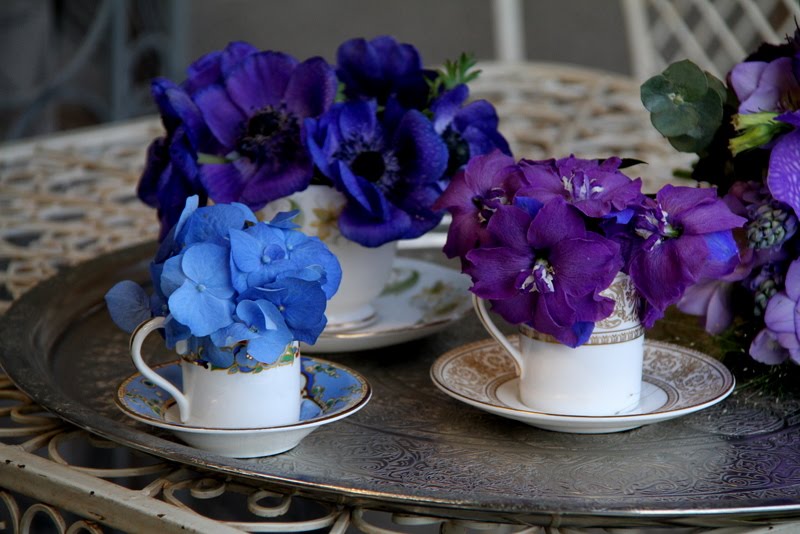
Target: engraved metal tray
[413, 448]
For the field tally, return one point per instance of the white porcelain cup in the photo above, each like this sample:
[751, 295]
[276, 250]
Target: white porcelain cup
[601, 377]
[365, 270]
[223, 398]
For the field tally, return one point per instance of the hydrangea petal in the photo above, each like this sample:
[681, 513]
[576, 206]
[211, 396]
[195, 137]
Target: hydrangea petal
[128, 305]
[202, 312]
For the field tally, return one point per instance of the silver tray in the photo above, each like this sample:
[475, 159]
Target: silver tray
[415, 449]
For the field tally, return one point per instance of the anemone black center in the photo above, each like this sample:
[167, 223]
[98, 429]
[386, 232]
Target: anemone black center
[369, 165]
[457, 151]
[272, 134]
[265, 123]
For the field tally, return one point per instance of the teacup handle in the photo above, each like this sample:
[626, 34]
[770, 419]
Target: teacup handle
[480, 309]
[137, 339]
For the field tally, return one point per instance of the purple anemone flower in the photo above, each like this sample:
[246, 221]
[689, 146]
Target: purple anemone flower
[468, 130]
[546, 270]
[256, 114]
[596, 188]
[782, 316]
[474, 195]
[382, 69]
[686, 236]
[389, 176]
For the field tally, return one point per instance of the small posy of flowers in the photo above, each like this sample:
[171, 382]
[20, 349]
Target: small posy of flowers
[745, 133]
[253, 126]
[542, 239]
[232, 289]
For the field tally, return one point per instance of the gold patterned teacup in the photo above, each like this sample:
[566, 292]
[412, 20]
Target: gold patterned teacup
[601, 377]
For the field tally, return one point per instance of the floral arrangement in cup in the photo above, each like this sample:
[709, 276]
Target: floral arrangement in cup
[745, 133]
[254, 126]
[234, 291]
[542, 239]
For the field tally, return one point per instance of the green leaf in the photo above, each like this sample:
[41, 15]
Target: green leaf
[685, 143]
[654, 94]
[687, 79]
[682, 121]
[716, 85]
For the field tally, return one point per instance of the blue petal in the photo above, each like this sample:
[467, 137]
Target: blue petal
[172, 276]
[268, 348]
[309, 410]
[175, 331]
[232, 334]
[128, 305]
[211, 224]
[208, 265]
[246, 251]
[284, 219]
[202, 312]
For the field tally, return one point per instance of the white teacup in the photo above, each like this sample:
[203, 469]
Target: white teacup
[219, 398]
[601, 377]
[365, 270]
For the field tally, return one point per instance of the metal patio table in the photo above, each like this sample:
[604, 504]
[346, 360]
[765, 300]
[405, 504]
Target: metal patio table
[68, 210]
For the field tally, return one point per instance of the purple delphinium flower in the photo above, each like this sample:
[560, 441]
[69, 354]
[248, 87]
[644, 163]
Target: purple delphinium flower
[256, 114]
[474, 195]
[382, 69]
[765, 86]
[783, 315]
[389, 176]
[686, 236]
[596, 188]
[783, 176]
[467, 130]
[546, 270]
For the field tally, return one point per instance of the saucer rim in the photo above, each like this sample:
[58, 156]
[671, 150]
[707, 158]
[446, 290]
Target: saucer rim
[724, 391]
[363, 333]
[366, 395]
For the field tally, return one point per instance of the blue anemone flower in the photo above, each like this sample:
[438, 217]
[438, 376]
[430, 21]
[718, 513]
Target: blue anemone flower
[389, 175]
[468, 130]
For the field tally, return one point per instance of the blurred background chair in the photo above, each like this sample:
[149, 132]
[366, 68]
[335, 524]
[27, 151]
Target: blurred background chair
[715, 34]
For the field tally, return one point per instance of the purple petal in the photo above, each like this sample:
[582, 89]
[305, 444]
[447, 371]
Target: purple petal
[494, 271]
[421, 152]
[312, 88]
[792, 281]
[765, 349]
[555, 221]
[223, 181]
[260, 80]
[268, 183]
[783, 178]
[222, 116]
[359, 226]
[779, 315]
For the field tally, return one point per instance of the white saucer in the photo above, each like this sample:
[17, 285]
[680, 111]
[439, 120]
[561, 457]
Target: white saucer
[420, 299]
[676, 381]
[332, 392]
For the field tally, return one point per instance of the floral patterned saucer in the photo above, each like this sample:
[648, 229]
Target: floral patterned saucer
[420, 298]
[332, 392]
[676, 381]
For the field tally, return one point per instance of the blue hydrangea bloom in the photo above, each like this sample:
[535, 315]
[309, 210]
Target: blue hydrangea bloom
[232, 288]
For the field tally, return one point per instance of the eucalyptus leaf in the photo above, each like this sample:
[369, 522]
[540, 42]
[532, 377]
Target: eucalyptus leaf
[681, 121]
[716, 85]
[687, 79]
[685, 143]
[654, 94]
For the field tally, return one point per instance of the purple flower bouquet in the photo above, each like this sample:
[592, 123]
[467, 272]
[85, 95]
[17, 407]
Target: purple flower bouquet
[745, 132]
[542, 240]
[254, 126]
